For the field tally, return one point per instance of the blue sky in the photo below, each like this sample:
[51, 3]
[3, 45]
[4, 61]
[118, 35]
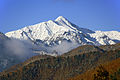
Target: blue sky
[92, 14]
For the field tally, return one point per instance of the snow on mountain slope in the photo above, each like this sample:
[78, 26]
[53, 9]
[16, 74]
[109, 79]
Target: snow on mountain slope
[53, 33]
[106, 37]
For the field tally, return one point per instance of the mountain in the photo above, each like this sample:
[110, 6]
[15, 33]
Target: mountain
[62, 67]
[3, 37]
[64, 33]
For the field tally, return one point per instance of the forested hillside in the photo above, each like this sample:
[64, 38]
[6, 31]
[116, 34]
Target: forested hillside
[62, 67]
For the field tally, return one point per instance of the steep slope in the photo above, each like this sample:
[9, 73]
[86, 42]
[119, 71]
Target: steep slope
[62, 31]
[113, 67]
[60, 67]
[2, 37]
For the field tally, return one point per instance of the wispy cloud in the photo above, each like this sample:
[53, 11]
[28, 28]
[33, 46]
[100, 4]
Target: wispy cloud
[20, 48]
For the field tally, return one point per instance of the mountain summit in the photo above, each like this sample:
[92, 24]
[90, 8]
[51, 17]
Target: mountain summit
[58, 31]
[61, 18]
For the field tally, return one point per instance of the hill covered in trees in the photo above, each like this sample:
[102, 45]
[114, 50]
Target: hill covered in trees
[70, 65]
[111, 68]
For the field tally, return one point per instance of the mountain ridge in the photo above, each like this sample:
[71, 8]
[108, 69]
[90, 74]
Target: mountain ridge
[56, 32]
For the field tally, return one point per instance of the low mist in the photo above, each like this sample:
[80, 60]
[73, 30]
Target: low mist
[19, 48]
[23, 49]
[64, 47]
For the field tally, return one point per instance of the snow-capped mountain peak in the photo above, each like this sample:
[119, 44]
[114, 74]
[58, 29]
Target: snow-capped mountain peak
[55, 32]
[65, 23]
[43, 30]
[60, 18]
